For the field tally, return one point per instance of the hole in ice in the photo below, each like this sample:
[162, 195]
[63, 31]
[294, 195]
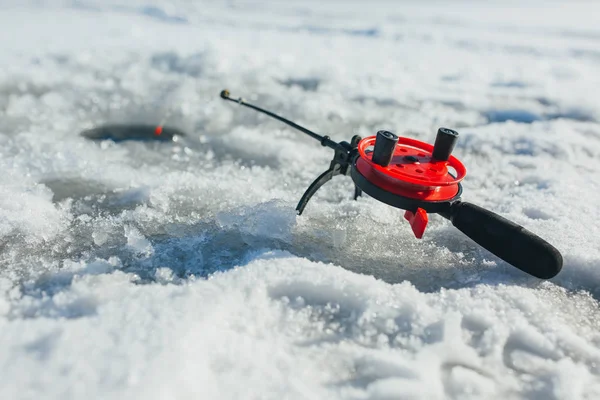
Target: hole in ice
[535, 213]
[170, 62]
[515, 115]
[73, 188]
[510, 84]
[528, 117]
[137, 132]
[161, 15]
[306, 84]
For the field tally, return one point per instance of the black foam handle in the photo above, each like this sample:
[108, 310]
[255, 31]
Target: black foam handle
[507, 240]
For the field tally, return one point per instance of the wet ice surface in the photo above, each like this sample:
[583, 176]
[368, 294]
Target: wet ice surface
[180, 270]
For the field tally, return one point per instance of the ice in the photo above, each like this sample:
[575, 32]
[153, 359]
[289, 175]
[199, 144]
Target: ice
[181, 270]
[137, 242]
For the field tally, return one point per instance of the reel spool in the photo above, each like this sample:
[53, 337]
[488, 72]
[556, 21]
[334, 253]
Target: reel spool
[412, 170]
[422, 178]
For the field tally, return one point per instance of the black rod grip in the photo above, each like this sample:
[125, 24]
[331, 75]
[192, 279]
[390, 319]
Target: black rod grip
[507, 240]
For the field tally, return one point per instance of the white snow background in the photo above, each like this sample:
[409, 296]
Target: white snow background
[180, 270]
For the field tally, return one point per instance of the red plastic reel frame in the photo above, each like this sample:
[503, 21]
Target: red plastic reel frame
[412, 173]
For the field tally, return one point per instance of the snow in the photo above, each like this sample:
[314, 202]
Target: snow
[180, 270]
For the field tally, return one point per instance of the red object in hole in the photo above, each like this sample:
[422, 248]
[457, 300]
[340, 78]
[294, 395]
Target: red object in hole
[158, 130]
[418, 221]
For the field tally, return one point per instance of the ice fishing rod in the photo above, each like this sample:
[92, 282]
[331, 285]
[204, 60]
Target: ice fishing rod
[416, 176]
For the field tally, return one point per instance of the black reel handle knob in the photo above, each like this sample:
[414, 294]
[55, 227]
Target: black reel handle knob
[444, 144]
[385, 144]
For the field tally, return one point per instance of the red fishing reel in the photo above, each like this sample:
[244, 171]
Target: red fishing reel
[422, 178]
[409, 174]
[412, 171]
[405, 173]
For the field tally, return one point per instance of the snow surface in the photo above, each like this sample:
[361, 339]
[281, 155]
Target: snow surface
[180, 270]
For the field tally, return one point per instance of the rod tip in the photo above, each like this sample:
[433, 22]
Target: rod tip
[224, 94]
